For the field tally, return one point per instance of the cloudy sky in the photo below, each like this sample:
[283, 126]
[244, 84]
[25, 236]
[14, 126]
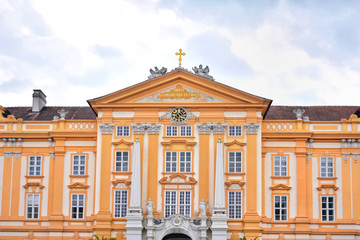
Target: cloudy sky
[294, 52]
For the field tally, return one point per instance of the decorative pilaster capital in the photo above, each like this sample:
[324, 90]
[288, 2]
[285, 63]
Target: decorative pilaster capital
[308, 156]
[141, 127]
[138, 128]
[8, 155]
[204, 128]
[17, 155]
[251, 128]
[218, 128]
[154, 128]
[106, 128]
[345, 156]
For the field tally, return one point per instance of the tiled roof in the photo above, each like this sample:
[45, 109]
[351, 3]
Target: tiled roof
[315, 113]
[48, 113]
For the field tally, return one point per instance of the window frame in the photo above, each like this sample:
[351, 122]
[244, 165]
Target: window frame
[120, 133]
[327, 209]
[234, 162]
[77, 206]
[174, 205]
[121, 161]
[235, 130]
[121, 205]
[280, 166]
[79, 164]
[172, 132]
[33, 206]
[188, 133]
[35, 166]
[326, 167]
[233, 206]
[178, 161]
[280, 208]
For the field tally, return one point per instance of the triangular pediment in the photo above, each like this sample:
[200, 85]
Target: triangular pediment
[182, 87]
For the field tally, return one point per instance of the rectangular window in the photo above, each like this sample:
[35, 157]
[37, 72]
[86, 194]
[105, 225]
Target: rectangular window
[185, 131]
[185, 161]
[121, 203]
[77, 206]
[171, 161]
[280, 208]
[32, 206]
[34, 165]
[171, 131]
[79, 165]
[234, 130]
[234, 204]
[122, 161]
[327, 209]
[170, 203]
[280, 166]
[234, 161]
[327, 166]
[185, 203]
[123, 131]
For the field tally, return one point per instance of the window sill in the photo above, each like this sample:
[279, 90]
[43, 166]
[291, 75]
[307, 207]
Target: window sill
[327, 178]
[121, 173]
[280, 177]
[79, 176]
[32, 176]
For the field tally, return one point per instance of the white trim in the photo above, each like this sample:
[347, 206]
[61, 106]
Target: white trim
[22, 189]
[45, 191]
[316, 205]
[121, 114]
[339, 193]
[235, 114]
[98, 173]
[145, 168]
[90, 191]
[292, 204]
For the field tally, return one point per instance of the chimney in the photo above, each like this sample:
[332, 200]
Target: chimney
[39, 100]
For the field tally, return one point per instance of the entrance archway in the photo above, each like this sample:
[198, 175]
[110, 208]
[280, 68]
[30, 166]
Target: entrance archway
[176, 236]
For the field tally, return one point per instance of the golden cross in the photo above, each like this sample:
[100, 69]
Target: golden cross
[180, 53]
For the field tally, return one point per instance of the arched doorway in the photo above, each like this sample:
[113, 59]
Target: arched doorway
[176, 236]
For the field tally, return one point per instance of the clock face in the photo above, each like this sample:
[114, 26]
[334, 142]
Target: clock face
[178, 114]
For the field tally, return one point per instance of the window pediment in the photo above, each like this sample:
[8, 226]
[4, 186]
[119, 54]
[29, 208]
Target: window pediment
[178, 178]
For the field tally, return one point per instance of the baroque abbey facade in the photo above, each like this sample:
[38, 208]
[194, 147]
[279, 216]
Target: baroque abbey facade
[179, 156]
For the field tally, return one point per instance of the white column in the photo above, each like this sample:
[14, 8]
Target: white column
[134, 216]
[219, 214]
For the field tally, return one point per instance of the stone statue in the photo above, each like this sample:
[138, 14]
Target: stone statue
[62, 112]
[150, 207]
[203, 72]
[157, 73]
[203, 208]
[299, 113]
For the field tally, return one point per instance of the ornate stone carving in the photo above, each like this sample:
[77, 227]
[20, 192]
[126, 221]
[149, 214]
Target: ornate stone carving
[218, 128]
[345, 156]
[203, 128]
[8, 155]
[150, 207]
[106, 128]
[356, 156]
[157, 73]
[311, 141]
[298, 112]
[203, 208]
[52, 154]
[138, 128]
[188, 115]
[17, 155]
[343, 141]
[141, 127]
[154, 128]
[203, 72]
[62, 112]
[308, 156]
[251, 128]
